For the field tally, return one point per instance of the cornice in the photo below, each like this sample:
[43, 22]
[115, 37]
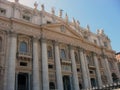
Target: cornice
[19, 21]
[4, 18]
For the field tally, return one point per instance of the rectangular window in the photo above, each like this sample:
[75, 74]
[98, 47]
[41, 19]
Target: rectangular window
[23, 64]
[92, 72]
[50, 66]
[95, 41]
[48, 22]
[2, 11]
[25, 17]
[105, 44]
[78, 70]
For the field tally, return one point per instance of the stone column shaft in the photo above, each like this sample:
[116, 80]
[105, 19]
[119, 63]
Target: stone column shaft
[58, 68]
[117, 69]
[45, 79]
[107, 70]
[98, 71]
[11, 62]
[84, 71]
[74, 70]
[87, 69]
[36, 81]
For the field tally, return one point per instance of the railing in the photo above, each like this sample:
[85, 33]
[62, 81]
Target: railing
[113, 86]
[24, 54]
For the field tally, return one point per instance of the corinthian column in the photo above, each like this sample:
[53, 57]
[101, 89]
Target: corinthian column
[97, 70]
[11, 62]
[36, 81]
[58, 68]
[74, 69]
[84, 70]
[87, 69]
[117, 69]
[107, 70]
[45, 79]
[109, 76]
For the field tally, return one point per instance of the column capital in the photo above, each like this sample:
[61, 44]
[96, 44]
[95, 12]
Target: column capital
[36, 38]
[94, 54]
[71, 46]
[43, 40]
[104, 56]
[12, 33]
[56, 43]
[80, 49]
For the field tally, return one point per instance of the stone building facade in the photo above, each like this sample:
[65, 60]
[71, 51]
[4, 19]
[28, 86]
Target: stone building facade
[118, 60]
[43, 51]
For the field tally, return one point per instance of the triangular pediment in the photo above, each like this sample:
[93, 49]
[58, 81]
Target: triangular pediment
[63, 29]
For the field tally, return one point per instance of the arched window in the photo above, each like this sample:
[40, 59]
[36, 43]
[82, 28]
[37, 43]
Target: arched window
[49, 51]
[80, 85]
[76, 57]
[111, 64]
[88, 59]
[63, 55]
[51, 85]
[0, 44]
[100, 63]
[114, 77]
[23, 47]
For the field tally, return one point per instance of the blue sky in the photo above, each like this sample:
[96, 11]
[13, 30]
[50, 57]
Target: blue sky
[97, 13]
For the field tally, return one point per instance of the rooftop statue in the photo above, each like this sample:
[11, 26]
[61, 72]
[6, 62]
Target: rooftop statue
[17, 1]
[42, 6]
[53, 10]
[60, 13]
[35, 5]
[73, 20]
[88, 27]
[66, 17]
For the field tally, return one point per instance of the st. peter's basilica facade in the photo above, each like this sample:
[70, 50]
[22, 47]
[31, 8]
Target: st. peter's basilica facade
[42, 51]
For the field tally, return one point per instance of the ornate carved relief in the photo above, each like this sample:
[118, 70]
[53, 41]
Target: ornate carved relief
[4, 25]
[23, 29]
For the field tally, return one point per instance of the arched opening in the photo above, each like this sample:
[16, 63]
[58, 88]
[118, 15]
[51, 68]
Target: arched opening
[49, 50]
[76, 57]
[88, 59]
[114, 77]
[23, 47]
[62, 54]
[80, 85]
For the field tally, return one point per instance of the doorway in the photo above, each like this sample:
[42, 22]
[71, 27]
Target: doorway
[66, 82]
[22, 81]
[93, 82]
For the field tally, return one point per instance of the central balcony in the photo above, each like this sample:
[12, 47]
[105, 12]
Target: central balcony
[25, 55]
